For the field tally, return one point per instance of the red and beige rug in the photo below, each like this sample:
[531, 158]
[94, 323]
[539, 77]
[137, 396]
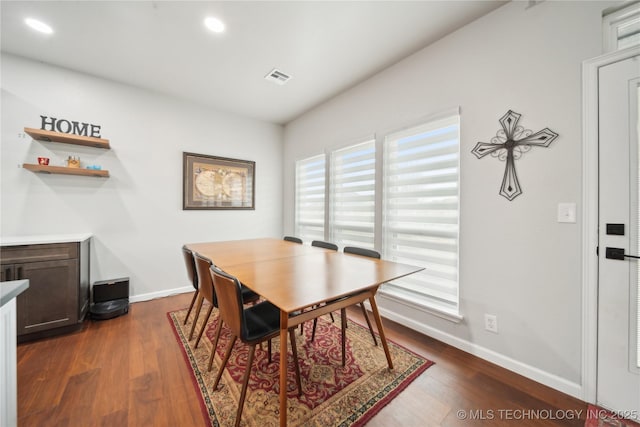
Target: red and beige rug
[332, 395]
[598, 417]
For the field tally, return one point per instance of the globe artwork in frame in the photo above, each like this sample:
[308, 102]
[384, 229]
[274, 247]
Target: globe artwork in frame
[211, 182]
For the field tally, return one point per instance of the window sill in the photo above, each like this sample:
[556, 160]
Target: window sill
[424, 306]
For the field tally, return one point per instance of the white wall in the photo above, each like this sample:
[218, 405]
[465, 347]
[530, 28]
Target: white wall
[135, 215]
[516, 260]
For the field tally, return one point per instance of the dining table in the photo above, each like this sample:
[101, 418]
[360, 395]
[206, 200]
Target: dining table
[304, 282]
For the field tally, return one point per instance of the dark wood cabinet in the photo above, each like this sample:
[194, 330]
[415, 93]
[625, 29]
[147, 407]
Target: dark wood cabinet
[58, 296]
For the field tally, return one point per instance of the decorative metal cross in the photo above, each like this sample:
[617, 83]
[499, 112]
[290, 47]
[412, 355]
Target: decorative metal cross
[510, 143]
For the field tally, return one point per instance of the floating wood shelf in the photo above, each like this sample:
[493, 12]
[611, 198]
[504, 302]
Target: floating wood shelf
[66, 171]
[68, 138]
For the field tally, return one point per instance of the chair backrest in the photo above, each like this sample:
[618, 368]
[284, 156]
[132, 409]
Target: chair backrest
[293, 239]
[326, 245]
[361, 251]
[191, 266]
[229, 294]
[204, 278]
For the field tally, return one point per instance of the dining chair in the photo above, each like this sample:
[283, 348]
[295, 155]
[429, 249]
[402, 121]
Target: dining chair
[343, 311]
[252, 325]
[193, 278]
[323, 244]
[371, 254]
[207, 292]
[361, 251]
[292, 239]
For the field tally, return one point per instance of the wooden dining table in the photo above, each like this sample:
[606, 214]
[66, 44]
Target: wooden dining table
[304, 282]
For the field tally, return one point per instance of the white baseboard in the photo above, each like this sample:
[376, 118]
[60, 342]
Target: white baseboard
[538, 375]
[160, 294]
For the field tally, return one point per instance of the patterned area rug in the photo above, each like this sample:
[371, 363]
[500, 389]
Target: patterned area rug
[332, 395]
[598, 417]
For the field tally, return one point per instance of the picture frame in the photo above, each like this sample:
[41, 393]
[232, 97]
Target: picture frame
[212, 182]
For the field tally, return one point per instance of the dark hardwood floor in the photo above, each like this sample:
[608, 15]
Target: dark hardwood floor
[129, 371]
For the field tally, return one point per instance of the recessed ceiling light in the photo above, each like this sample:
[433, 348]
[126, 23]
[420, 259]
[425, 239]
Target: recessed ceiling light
[38, 26]
[214, 24]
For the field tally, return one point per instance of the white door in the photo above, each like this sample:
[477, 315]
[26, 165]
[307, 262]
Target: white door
[618, 369]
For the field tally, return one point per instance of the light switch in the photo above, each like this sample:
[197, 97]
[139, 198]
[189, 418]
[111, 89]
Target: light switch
[567, 212]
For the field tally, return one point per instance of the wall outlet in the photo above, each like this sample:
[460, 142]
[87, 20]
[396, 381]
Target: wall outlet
[491, 323]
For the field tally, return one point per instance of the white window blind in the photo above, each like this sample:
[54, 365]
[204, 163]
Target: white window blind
[420, 211]
[621, 28]
[352, 195]
[309, 204]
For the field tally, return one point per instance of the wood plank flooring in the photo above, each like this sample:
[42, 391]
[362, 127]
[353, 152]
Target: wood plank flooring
[129, 371]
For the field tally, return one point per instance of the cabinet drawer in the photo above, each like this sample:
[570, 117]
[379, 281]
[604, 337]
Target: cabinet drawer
[37, 253]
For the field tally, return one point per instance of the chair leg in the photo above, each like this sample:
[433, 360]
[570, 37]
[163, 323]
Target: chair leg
[195, 319]
[204, 325]
[343, 321]
[193, 300]
[245, 382]
[224, 362]
[366, 317]
[215, 343]
[294, 350]
[332, 319]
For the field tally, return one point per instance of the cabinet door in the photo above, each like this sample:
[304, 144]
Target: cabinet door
[52, 298]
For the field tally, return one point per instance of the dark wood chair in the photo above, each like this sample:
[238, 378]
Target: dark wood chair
[293, 239]
[343, 311]
[323, 244]
[371, 254]
[361, 251]
[193, 278]
[207, 292]
[253, 325]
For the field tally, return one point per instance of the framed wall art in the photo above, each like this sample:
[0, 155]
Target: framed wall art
[211, 182]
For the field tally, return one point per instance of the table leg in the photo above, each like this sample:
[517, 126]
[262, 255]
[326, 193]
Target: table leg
[284, 318]
[376, 316]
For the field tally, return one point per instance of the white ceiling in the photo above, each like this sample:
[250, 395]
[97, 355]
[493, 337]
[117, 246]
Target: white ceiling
[326, 46]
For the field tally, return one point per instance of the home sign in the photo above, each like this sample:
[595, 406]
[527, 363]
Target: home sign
[70, 126]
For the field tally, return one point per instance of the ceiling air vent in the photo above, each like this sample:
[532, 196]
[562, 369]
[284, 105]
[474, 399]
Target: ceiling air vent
[278, 77]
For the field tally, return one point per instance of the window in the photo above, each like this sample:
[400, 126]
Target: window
[352, 195]
[420, 211]
[621, 28]
[402, 201]
[309, 198]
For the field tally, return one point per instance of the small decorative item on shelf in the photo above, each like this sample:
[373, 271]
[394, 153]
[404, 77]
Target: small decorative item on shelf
[73, 162]
[94, 167]
[43, 161]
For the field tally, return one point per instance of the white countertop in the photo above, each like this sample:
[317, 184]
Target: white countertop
[43, 239]
[10, 290]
